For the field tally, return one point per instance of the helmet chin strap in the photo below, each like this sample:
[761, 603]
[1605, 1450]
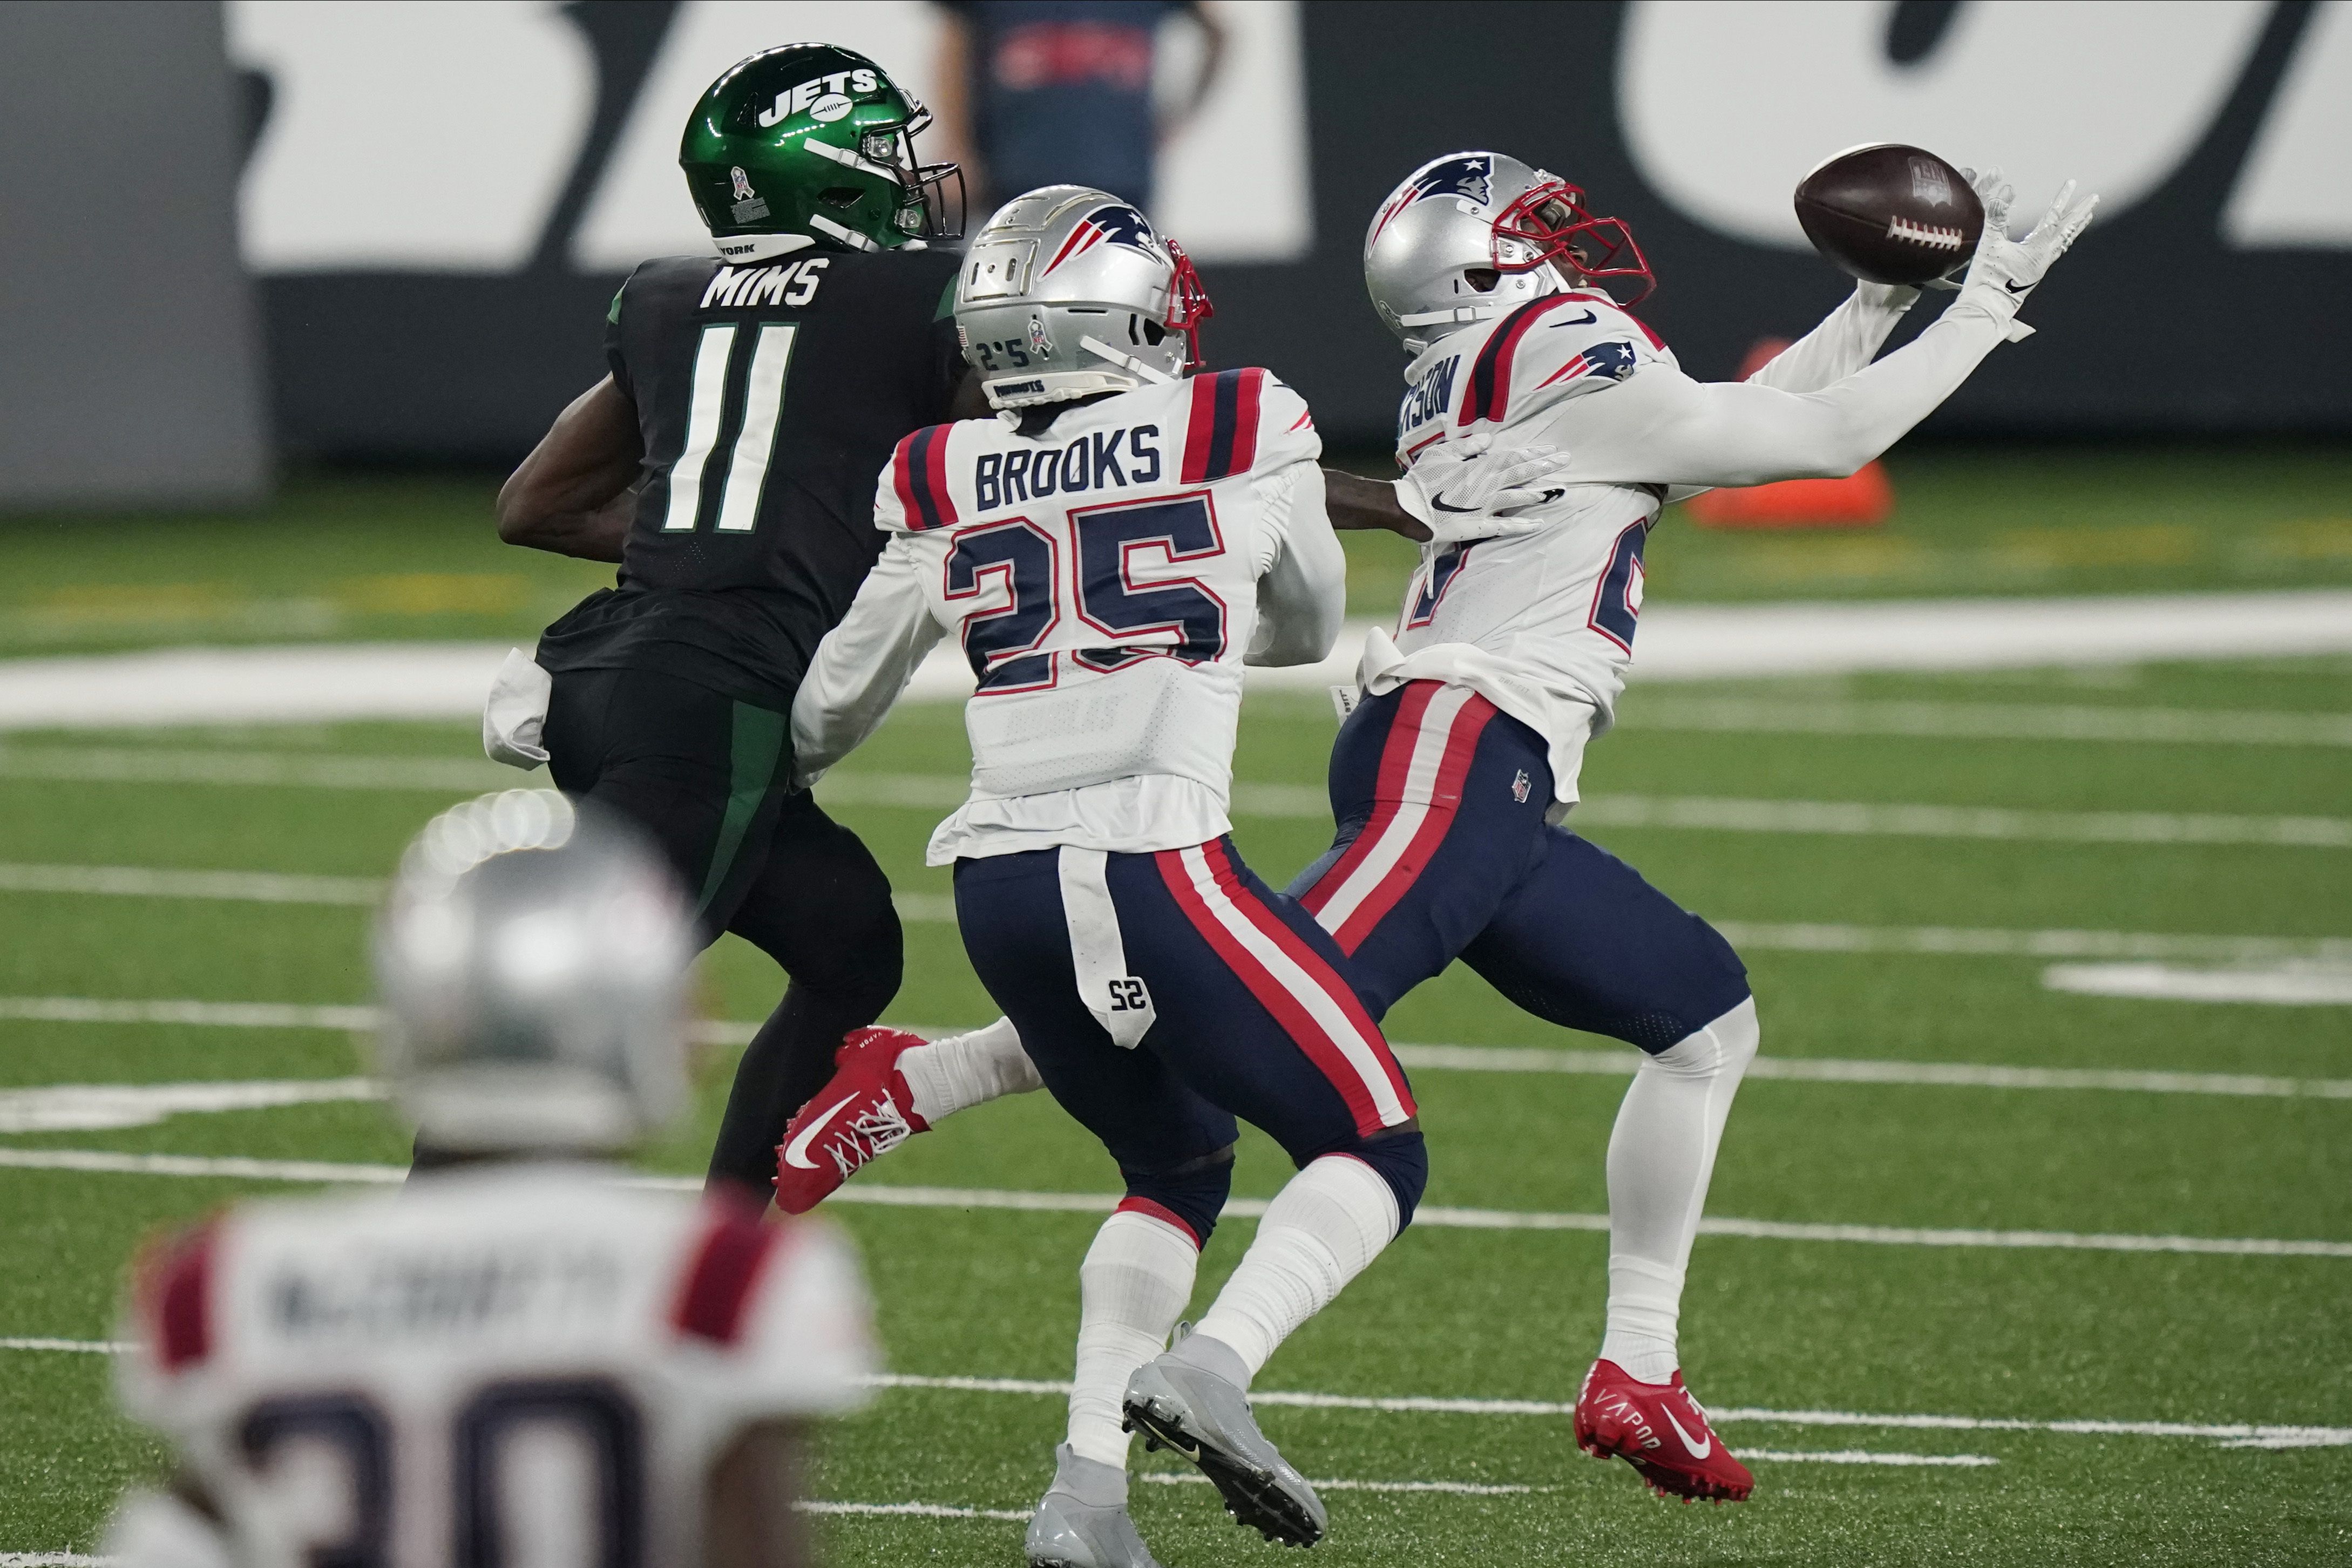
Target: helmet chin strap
[1101, 349]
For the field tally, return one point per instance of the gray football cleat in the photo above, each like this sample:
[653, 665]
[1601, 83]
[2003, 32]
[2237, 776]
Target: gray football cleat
[1082, 1522]
[1204, 1418]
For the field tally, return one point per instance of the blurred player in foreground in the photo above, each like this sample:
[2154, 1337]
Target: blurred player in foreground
[521, 1357]
[1110, 551]
[1454, 772]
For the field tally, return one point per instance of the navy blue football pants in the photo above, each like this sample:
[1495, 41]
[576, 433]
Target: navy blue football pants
[1162, 995]
[1442, 853]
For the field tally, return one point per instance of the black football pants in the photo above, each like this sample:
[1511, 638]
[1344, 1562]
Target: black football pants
[707, 778]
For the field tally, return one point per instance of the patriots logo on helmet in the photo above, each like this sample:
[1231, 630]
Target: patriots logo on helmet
[1115, 223]
[1467, 177]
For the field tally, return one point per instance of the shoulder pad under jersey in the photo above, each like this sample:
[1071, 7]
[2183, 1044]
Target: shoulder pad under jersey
[1237, 421]
[1563, 345]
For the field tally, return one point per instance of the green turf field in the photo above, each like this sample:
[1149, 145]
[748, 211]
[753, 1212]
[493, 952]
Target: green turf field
[1822, 1352]
[2142, 1376]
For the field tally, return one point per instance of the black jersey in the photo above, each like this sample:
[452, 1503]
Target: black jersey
[770, 397]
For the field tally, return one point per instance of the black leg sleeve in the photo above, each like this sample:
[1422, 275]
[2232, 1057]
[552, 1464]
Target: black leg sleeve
[821, 907]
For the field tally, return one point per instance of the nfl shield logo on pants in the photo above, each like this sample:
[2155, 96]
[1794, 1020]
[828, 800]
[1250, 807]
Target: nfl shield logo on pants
[1519, 788]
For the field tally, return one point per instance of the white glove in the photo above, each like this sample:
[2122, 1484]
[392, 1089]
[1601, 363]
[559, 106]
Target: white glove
[2004, 270]
[1987, 186]
[1459, 492]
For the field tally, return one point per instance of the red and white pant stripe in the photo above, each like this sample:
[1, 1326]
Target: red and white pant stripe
[1316, 1007]
[1428, 754]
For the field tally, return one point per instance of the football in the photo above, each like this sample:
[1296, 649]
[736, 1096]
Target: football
[1890, 214]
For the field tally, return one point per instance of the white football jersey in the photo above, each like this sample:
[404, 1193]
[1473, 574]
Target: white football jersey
[1105, 577]
[529, 1365]
[1542, 625]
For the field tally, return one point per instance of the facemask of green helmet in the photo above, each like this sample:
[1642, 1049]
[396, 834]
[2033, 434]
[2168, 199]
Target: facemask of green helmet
[809, 143]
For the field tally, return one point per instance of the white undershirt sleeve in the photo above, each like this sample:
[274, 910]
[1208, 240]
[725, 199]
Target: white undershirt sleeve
[1847, 339]
[1303, 598]
[866, 661]
[1661, 427]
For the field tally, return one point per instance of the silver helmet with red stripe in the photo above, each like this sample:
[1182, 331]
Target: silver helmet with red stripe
[1472, 234]
[533, 957]
[1069, 291]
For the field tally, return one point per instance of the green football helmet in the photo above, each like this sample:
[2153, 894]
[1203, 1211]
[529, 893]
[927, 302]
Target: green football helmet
[809, 143]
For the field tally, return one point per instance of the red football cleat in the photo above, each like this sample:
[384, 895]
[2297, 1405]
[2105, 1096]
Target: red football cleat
[1660, 1430]
[864, 1111]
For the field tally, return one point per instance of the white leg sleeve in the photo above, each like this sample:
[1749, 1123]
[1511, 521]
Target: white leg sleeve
[1318, 1233]
[1660, 1157]
[1131, 1289]
[967, 1070]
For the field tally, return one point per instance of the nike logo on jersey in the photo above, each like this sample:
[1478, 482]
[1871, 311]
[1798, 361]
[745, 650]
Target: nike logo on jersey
[796, 1152]
[1699, 1448]
[1586, 319]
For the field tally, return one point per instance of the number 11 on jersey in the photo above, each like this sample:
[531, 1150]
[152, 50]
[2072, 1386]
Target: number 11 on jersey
[737, 502]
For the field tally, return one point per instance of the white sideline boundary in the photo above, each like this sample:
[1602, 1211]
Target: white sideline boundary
[329, 681]
[891, 1195]
[2234, 1434]
[1507, 1059]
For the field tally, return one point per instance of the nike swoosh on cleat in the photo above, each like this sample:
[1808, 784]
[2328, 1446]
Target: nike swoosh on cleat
[1697, 1450]
[796, 1152]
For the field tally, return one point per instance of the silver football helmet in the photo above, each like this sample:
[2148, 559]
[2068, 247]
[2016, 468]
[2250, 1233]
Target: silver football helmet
[1472, 234]
[1070, 292]
[532, 958]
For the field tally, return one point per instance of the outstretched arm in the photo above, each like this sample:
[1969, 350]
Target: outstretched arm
[865, 662]
[1661, 427]
[572, 496]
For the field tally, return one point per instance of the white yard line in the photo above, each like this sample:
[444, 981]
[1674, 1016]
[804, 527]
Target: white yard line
[1428, 1057]
[1456, 1489]
[2229, 1433]
[1863, 1456]
[129, 765]
[917, 1510]
[892, 1195]
[1987, 721]
[945, 792]
[54, 1560]
[89, 1107]
[1835, 818]
[2283, 984]
[154, 882]
[276, 887]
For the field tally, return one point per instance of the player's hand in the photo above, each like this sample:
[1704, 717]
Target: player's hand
[2006, 270]
[1462, 489]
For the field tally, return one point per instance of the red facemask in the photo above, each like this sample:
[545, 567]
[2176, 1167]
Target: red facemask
[1552, 221]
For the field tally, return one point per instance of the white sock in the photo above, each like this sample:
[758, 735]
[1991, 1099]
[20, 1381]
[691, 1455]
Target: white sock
[1131, 1289]
[967, 1070]
[1660, 1158]
[1318, 1233]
